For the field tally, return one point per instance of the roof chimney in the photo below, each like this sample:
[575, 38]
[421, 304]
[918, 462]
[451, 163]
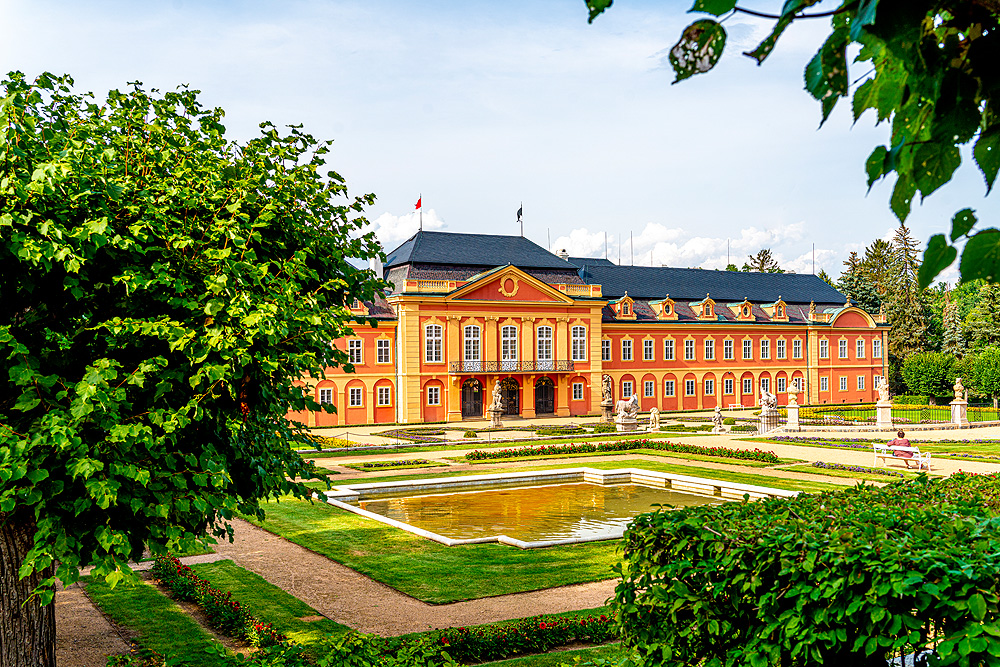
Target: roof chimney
[375, 264]
[562, 253]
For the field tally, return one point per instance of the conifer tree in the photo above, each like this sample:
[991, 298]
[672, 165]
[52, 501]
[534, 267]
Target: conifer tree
[856, 285]
[952, 342]
[904, 307]
[825, 277]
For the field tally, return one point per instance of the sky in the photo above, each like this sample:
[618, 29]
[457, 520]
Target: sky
[481, 107]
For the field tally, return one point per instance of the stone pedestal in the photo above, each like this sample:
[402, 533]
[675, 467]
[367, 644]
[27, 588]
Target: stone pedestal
[793, 416]
[883, 415]
[495, 416]
[607, 410]
[626, 423]
[960, 412]
[768, 422]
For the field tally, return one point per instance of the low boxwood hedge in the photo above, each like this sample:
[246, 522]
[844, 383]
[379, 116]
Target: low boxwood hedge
[623, 446]
[838, 578]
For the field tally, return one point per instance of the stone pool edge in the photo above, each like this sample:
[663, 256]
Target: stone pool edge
[341, 496]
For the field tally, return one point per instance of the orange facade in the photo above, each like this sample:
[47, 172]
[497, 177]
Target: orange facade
[445, 345]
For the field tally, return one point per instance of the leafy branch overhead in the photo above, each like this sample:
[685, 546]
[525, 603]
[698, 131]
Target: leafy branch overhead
[931, 73]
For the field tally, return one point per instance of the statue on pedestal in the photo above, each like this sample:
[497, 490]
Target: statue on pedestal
[607, 398]
[883, 391]
[768, 402]
[717, 421]
[959, 389]
[793, 395]
[495, 411]
[627, 419]
[654, 419]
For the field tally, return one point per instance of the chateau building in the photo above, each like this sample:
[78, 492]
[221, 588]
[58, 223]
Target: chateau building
[468, 311]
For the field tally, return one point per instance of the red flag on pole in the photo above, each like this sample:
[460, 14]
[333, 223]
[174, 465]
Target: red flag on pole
[418, 202]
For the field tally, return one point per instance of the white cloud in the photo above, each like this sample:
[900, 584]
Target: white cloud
[392, 230]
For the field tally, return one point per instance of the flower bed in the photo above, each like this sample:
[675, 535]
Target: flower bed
[391, 464]
[224, 613]
[861, 469]
[622, 446]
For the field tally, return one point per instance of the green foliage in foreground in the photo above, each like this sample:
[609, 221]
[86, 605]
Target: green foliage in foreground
[162, 625]
[838, 579]
[430, 571]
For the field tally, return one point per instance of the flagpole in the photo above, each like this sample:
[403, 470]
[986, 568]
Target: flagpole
[520, 218]
[421, 200]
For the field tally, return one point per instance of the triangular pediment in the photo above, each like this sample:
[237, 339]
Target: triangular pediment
[511, 284]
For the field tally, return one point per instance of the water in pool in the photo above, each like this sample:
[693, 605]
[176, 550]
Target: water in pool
[551, 512]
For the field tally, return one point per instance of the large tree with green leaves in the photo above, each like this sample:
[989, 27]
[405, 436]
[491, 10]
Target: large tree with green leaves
[985, 376]
[161, 286]
[982, 324]
[928, 68]
[929, 373]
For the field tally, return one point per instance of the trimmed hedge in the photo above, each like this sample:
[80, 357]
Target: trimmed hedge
[624, 446]
[224, 613]
[911, 399]
[559, 430]
[838, 578]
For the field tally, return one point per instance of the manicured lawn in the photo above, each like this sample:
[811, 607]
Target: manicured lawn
[559, 657]
[859, 476]
[937, 446]
[161, 625]
[269, 603]
[403, 466]
[710, 473]
[430, 571]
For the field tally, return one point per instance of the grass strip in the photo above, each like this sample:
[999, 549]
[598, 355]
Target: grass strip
[558, 658]
[648, 452]
[269, 602]
[430, 571]
[361, 467]
[161, 625]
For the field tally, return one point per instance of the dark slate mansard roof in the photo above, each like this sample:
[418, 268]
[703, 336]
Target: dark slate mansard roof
[485, 250]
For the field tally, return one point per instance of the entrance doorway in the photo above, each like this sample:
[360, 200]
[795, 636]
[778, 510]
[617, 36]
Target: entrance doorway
[509, 389]
[545, 396]
[472, 398]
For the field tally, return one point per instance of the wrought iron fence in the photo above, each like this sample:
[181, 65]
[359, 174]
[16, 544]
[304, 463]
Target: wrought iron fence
[982, 413]
[551, 366]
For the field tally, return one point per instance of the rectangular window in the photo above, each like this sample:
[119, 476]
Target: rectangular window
[579, 343]
[859, 348]
[861, 383]
[727, 386]
[798, 384]
[543, 338]
[780, 382]
[843, 383]
[605, 350]
[824, 349]
[877, 348]
[765, 384]
[727, 349]
[796, 349]
[747, 386]
[709, 349]
[647, 350]
[779, 352]
[626, 350]
[668, 350]
[326, 395]
[710, 387]
[432, 343]
[648, 388]
[842, 349]
[876, 380]
[508, 348]
[824, 384]
[765, 348]
[473, 340]
[355, 397]
[668, 387]
[748, 349]
[382, 351]
[433, 395]
[354, 350]
[384, 397]
[688, 350]
[689, 387]
[577, 391]
[627, 389]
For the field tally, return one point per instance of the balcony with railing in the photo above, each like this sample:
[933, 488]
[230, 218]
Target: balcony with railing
[538, 366]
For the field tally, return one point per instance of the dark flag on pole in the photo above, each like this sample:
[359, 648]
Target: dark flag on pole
[520, 210]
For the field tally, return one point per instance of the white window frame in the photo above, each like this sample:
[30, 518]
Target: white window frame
[648, 349]
[747, 348]
[649, 389]
[383, 354]
[709, 349]
[668, 349]
[356, 397]
[577, 391]
[605, 349]
[579, 343]
[876, 348]
[434, 395]
[710, 387]
[861, 383]
[859, 348]
[824, 349]
[843, 383]
[626, 349]
[796, 349]
[472, 348]
[727, 350]
[508, 347]
[433, 343]
[875, 381]
[384, 396]
[780, 349]
[842, 348]
[690, 387]
[543, 348]
[824, 384]
[626, 389]
[355, 350]
[689, 350]
[668, 388]
[325, 395]
[780, 385]
[765, 348]
[747, 386]
[798, 383]
[728, 386]
[765, 384]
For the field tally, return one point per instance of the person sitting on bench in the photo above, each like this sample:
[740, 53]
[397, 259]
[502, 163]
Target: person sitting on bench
[901, 441]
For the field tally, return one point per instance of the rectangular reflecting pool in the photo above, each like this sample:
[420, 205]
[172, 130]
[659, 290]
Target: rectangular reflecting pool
[533, 509]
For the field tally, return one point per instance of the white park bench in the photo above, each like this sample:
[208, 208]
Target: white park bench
[922, 459]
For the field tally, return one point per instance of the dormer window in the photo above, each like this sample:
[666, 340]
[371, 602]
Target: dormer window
[626, 310]
[707, 311]
[779, 311]
[746, 311]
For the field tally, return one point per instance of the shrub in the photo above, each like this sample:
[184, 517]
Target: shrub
[729, 421]
[930, 373]
[559, 430]
[836, 578]
[390, 464]
[911, 399]
[622, 446]
[470, 434]
[224, 613]
[744, 428]
[605, 427]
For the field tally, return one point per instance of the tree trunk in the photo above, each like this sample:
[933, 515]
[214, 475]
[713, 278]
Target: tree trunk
[27, 630]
